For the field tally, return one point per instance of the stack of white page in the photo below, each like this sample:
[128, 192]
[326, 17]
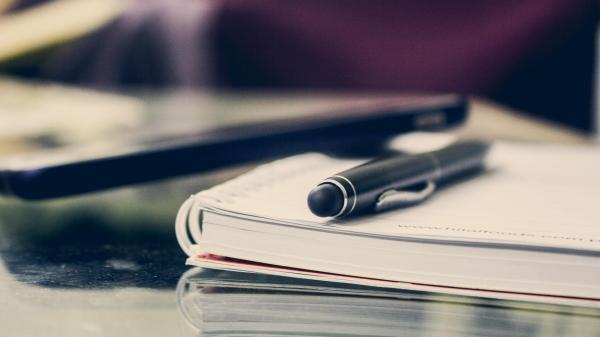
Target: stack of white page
[529, 226]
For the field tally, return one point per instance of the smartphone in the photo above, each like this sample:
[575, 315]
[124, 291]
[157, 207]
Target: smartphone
[153, 151]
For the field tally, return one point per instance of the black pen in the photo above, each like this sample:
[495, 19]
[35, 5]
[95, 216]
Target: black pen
[386, 183]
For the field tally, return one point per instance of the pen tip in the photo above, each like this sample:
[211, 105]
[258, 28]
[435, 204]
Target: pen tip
[325, 200]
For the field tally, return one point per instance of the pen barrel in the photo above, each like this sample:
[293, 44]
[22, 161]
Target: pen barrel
[364, 184]
[460, 157]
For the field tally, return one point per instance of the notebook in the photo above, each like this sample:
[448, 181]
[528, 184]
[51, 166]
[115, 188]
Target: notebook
[528, 227]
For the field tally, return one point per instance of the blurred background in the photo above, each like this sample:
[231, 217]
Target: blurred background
[90, 71]
[82, 71]
[535, 56]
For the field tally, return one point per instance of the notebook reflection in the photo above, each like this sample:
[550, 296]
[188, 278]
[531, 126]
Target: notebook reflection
[223, 303]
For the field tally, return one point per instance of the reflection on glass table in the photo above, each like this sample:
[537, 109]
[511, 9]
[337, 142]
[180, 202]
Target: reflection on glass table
[220, 303]
[102, 264]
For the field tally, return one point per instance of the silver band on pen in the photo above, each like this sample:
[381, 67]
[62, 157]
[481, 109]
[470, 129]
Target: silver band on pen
[348, 191]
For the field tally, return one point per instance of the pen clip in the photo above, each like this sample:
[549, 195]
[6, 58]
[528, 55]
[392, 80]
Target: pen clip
[396, 198]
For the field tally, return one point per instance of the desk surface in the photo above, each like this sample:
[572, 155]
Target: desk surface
[108, 264]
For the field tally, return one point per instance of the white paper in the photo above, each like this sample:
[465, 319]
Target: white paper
[542, 195]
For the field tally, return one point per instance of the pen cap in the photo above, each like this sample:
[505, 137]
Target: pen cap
[365, 183]
[325, 200]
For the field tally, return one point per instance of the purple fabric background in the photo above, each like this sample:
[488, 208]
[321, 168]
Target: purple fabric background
[535, 55]
[531, 54]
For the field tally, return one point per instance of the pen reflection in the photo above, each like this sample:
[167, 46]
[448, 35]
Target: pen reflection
[223, 303]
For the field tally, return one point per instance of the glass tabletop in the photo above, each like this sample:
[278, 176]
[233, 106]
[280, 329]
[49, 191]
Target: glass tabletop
[108, 264]
[103, 264]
